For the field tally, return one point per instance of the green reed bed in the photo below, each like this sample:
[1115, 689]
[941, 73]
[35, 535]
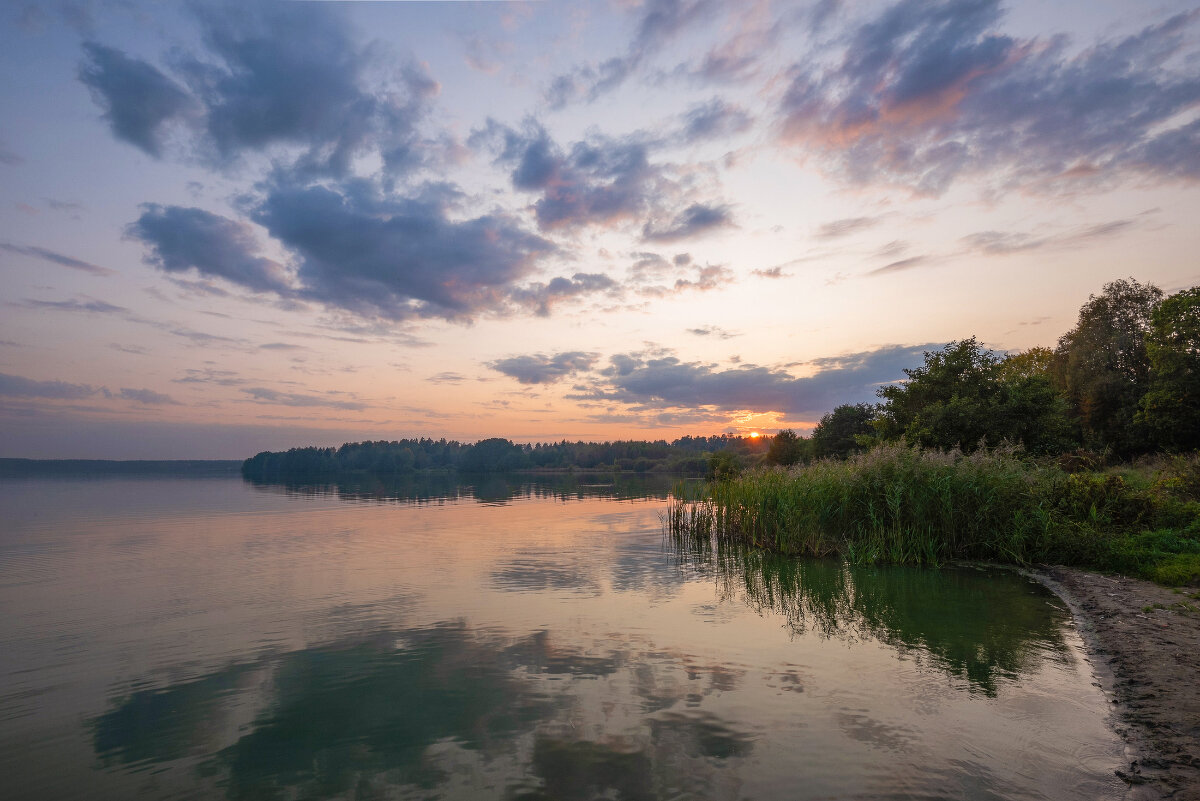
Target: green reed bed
[901, 504]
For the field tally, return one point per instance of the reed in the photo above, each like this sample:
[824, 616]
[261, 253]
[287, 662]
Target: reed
[903, 504]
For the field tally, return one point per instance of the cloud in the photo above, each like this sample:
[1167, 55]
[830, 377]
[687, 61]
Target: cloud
[845, 227]
[696, 219]
[544, 369]
[447, 377]
[925, 92]
[708, 277]
[180, 239]
[147, 397]
[398, 258]
[8, 157]
[660, 21]
[90, 306]
[637, 379]
[901, 265]
[772, 272]
[137, 98]
[15, 386]
[209, 375]
[714, 331]
[1002, 243]
[598, 181]
[271, 76]
[542, 297]
[56, 258]
[264, 395]
[712, 120]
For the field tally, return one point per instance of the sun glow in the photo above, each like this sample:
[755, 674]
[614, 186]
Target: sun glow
[755, 435]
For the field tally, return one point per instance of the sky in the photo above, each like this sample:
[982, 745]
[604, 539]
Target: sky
[227, 228]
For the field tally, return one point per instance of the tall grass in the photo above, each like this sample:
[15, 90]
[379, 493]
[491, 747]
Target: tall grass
[902, 504]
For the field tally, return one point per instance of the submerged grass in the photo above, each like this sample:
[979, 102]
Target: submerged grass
[903, 504]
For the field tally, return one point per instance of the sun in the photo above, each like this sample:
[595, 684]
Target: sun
[755, 435]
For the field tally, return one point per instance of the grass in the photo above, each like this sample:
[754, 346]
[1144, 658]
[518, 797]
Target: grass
[902, 504]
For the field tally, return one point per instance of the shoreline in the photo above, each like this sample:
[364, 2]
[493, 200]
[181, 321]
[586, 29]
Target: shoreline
[1144, 641]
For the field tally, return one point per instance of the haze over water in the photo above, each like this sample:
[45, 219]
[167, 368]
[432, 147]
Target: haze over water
[212, 639]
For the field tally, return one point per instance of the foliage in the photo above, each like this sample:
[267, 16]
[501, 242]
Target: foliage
[1170, 409]
[899, 503]
[840, 432]
[786, 448]
[1102, 366]
[963, 397]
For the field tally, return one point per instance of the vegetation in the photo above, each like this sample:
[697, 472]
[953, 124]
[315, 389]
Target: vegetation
[1040, 456]
[687, 455]
[899, 503]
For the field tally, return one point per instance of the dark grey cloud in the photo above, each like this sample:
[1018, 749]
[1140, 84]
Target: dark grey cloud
[541, 368]
[543, 297]
[270, 75]
[664, 380]
[596, 181]
[658, 23]
[15, 386]
[696, 219]
[55, 258]
[147, 397]
[924, 92]
[265, 395]
[181, 239]
[137, 98]
[599, 180]
[713, 120]
[845, 227]
[447, 377]
[398, 257]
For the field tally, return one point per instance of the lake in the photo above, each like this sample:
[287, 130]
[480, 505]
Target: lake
[508, 639]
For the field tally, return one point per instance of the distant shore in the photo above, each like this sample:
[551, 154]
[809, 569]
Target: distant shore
[19, 468]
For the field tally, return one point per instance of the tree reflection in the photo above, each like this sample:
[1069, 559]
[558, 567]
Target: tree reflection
[491, 488]
[986, 626]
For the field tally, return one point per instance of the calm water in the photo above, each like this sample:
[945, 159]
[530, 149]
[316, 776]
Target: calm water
[212, 639]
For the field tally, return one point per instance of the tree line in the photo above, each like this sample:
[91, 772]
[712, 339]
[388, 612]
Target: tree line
[1123, 382]
[688, 454]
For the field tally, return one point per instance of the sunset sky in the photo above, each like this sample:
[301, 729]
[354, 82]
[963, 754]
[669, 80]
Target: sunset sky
[230, 228]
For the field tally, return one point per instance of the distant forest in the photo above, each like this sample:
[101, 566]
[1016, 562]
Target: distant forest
[1124, 382]
[684, 455]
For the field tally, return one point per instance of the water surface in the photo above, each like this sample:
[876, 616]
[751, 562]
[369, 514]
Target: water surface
[507, 639]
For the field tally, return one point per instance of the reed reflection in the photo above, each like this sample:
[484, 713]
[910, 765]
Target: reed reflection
[985, 626]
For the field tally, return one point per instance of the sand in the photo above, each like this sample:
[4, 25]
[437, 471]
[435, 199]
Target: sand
[1145, 640]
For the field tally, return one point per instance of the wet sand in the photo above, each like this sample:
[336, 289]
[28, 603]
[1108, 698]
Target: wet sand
[1148, 638]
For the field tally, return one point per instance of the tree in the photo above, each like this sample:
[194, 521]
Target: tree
[1170, 409]
[1102, 367]
[786, 448]
[964, 396]
[841, 431]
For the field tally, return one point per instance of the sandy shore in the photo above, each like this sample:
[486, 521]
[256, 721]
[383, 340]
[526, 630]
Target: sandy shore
[1148, 637]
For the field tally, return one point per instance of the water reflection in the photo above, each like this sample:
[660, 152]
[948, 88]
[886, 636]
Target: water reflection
[983, 626]
[490, 488]
[395, 710]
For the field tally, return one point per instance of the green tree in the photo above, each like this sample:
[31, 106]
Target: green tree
[1170, 409]
[841, 431]
[963, 396]
[1102, 367]
[786, 448]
